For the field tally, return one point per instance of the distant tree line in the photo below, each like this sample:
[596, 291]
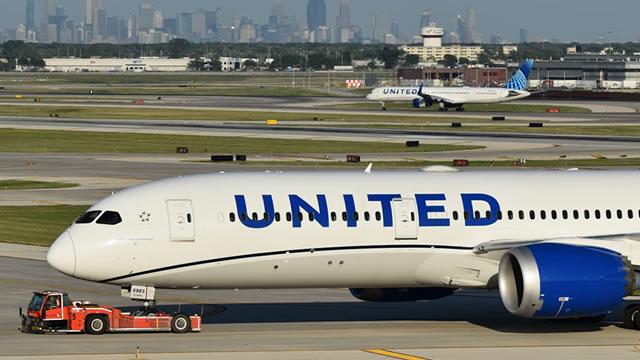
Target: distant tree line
[299, 56]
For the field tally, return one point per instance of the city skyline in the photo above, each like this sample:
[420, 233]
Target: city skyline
[375, 21]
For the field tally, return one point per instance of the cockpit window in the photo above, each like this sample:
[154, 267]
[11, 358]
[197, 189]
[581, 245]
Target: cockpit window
[109, 218]
[88, 217]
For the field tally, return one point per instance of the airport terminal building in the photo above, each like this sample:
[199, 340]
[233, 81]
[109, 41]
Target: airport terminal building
[143, 64]
[587, 71]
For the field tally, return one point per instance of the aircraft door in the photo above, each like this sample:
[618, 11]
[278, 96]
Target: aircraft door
[405, 219]
[181, 220]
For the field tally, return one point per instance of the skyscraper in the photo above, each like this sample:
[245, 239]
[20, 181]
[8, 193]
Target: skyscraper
[344, 15]
[30, 20]
[461, 29]
[524, 35]
[277, 12]
[91, 11]
[471, 28]
[158, 20]
[145, 17]
[378, 25]
[395, 29]
[184, 24]
[316, 14]
[100, 23]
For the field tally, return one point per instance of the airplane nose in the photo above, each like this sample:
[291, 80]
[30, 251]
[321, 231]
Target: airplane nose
[62, 254]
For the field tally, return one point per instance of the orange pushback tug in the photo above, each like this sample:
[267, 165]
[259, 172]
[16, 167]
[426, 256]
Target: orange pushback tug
[53, 311]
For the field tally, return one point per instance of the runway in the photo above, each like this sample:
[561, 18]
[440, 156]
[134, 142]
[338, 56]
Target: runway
[309, 324]
[615, 112]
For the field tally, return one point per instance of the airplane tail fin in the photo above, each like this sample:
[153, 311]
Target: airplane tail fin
[519, 80]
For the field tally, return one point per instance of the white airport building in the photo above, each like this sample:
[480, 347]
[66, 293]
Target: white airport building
[432, 49]
[143, 64]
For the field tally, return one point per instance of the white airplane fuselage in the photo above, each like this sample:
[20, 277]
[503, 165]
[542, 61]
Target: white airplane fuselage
[410, 231]
[453, 95]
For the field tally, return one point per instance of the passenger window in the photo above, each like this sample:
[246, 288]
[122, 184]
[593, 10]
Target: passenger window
[366, 216]
[300, 217]
[243, 217]
[587, 215]
[565, 214]
[311, 217]
[521, 214]
[288, 216]
[254, 216]
[378, 216]
[455, 215]
[488, 213]
[277, 217]
[476, 214]
[413, 216]
[554, 214]
[630, 213]
[356, 216]
[344, 216]
[532, 215]
[466, 215]
[608, 213]
[88, 217]
[109, 218]
[619, 213]
[266, 216]
[499, 215]
[510, 214]
[232, 217]
[543, 214]
[597, 214]
[334, 217]
[576, 214]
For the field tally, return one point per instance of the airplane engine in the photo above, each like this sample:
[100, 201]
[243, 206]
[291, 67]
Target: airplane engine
[551, 280]
[417, 103]
[400, 294]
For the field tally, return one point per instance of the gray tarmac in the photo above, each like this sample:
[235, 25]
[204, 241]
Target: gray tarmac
[308, 324]
[604, 112]
[287, 324]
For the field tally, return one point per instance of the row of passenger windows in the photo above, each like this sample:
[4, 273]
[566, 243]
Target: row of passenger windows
[455, 215]
[333, 216]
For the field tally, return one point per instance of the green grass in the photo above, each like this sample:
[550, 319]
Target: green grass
[36, 225]
[46, 141]
[549, 128]
[278, 91]
[32, 185]
[499, 108]
[318, 79]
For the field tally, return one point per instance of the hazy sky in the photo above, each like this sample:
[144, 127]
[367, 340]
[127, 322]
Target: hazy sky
[582, 20]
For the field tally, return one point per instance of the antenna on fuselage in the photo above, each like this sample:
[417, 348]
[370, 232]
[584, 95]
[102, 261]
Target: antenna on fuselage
[368, 169]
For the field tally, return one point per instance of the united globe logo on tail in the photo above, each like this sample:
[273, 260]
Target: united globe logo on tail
[519, 80]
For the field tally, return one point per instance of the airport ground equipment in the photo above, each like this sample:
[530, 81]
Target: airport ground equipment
[53, 311]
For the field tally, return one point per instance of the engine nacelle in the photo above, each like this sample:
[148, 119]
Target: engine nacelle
[417, 103]
[551, 280]
[400, 294]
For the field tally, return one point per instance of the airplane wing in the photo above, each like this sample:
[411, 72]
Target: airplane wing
[626, 244]
[430, 99]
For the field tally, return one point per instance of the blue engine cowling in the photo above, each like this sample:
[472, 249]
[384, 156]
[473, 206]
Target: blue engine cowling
[551, 280]
[417, 103]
